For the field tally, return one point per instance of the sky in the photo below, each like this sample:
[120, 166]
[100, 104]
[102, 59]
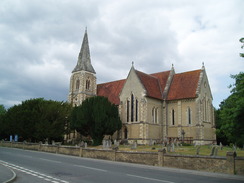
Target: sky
[40, 41]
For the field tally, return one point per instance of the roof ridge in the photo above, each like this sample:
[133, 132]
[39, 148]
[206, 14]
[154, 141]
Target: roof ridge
[147, 74]
[160, 72]
[112, 81]
[189, 71]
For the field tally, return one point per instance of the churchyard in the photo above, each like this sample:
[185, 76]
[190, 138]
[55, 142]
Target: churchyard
[185, 149]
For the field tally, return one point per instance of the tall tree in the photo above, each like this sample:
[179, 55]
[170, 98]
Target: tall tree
[231, 113]
[3, 134]
[96, 117]
[38, 120]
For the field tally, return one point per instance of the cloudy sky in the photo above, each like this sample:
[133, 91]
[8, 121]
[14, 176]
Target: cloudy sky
[40, 42]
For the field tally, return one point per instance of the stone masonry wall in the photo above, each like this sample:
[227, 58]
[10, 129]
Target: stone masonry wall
[229, 164]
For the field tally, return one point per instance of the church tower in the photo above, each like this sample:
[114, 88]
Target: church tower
[83, 79]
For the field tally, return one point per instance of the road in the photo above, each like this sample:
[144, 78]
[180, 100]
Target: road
[33, 166]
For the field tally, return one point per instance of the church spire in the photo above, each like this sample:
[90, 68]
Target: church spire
[84, 60]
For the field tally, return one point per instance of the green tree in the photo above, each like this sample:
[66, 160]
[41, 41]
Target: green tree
[96, 117]
[231, 113]
[242, 41]
[38, 119]
[3, 134]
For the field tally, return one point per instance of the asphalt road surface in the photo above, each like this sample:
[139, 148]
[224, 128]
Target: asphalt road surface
[33, 166]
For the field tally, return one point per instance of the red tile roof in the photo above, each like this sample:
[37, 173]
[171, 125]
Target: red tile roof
[184, 85]
[162, 77]
[151, 85]
[111, 90]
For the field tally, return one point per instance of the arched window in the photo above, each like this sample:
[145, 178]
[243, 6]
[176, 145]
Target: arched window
[173, 116]
[136, 110]
[128, 110]
[156, 115]
[153, 115]
[189, 115]
[77, 85]
[132, 107]
[87, 84]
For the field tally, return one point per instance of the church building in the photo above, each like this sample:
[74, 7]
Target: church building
[152, 107]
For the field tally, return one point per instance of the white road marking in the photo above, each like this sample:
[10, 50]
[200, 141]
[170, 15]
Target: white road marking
[50, 160]
[91, 168]
[33, 173]
[147, 178]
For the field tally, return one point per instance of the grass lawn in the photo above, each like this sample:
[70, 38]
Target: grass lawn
[205, 150]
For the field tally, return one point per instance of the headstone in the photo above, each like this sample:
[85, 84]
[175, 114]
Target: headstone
[216, 151]
[82, 144]
[53, 142]
[104, 144]
[168, 147]
[212, 151]
[234, 148]
[150, 142]
[134, 145]
[85, 144]
[198, 150]
[115, 142]
[177, 143]
[173, 147]
[221, 146]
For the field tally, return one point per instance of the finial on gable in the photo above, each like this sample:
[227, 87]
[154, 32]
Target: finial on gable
[203, 67]
[86, 29]
[132, 63]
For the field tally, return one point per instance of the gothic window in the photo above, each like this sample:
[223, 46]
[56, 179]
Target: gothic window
[173, 116]
[128, 110]
[189, 115]
[77, 85]
[87, 84]
[156, 115]
[132, 107]
[136, 110]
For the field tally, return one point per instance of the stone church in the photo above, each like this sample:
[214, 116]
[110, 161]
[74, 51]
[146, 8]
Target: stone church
[152, 107]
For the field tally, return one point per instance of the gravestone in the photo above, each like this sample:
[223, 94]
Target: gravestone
[216, 151]
[234, 148]
[173, 147]
[150, 142]
[134, 145]
[85, 145]
[168, 147]
[104, 144]
[177, 143]
[221, 146]
[82, 144]
[198, 150]
[212, 151]
[53, 142]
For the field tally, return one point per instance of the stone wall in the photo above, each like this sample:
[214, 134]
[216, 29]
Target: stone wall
[147, 158]
[229, 164]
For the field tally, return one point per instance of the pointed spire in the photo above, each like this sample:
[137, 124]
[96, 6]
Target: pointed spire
[84, 60]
